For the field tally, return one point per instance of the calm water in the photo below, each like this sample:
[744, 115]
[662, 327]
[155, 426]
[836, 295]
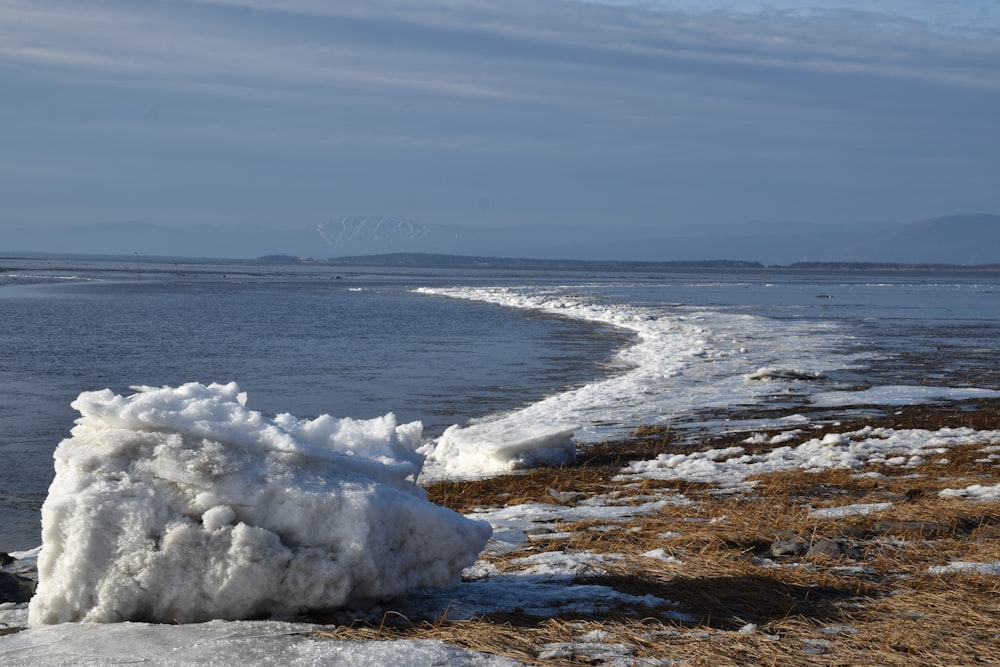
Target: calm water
[314, 340]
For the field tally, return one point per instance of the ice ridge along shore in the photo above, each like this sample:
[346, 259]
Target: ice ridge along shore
[182, 505]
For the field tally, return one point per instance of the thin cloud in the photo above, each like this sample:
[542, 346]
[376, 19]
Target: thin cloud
[609, 91]
[454, 48]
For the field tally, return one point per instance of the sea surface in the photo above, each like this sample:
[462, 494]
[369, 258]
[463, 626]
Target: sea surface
[596, 351]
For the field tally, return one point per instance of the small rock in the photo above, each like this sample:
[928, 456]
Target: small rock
[14, 588]
[788, 548]
[832, 549]
[565, 497]
[824, 547]
[6, 558]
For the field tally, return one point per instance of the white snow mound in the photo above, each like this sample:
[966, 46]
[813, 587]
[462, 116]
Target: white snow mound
[180, 504]
[502, 446]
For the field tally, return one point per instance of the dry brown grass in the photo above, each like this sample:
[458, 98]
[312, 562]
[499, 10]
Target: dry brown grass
[873, 602]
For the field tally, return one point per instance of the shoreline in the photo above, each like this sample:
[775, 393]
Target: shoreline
[604, 562]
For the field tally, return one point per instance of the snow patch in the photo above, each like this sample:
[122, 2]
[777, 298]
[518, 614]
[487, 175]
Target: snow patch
[852, 450]
[967, 568]
[859, 509]
[973, 492]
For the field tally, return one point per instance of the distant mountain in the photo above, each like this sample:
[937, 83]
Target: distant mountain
[960, 239]
[770, 243]
[467, 261]
[368, 233]
[954, 239]
[374, 235]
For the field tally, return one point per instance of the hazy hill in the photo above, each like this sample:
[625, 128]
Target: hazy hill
[964, 239]
[959, 239]
[371, 235]
[956, 239]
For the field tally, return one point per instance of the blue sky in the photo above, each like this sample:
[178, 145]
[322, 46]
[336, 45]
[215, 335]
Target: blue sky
[286, 113]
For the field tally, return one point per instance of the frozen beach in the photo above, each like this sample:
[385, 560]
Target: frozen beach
[190, 502]
[622, 563]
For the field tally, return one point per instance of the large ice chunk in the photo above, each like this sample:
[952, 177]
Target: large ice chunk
[181, 504]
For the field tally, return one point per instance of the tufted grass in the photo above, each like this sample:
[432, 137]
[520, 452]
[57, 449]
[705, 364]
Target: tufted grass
[733, 603]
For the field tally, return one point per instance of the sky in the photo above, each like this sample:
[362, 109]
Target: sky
[289, 113]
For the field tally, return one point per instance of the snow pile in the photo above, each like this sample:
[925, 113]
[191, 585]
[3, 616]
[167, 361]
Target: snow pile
[484, 450]
[180, 504]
